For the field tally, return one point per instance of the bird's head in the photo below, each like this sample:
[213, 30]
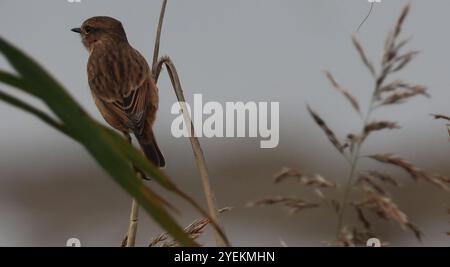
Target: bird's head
[101, 30]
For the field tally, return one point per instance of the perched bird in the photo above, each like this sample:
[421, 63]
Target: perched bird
[121, 83]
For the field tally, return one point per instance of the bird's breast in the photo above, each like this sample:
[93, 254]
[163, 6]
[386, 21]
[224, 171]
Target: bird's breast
[114, 73]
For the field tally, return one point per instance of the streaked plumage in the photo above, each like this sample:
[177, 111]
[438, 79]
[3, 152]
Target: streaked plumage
[121, 83]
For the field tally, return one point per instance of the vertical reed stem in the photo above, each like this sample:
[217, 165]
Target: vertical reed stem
[132, 229]
[134, 214]
[196, 148]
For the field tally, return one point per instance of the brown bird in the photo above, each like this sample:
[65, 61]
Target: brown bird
[121, 83]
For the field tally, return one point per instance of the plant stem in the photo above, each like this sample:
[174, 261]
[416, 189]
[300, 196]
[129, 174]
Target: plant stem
[132, 229]
[353, 168]
[197, 150]
[158, 36]
[221, 240]
[134, 214]
[354, 162]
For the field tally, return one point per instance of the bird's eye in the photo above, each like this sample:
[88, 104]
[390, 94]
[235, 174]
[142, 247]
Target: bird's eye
[87, 29]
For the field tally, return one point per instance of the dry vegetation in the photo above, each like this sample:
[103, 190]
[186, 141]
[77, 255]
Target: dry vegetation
[366, 191]
[443, 117]
[194, 230]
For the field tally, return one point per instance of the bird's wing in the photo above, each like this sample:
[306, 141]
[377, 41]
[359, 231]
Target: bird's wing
[140, 100]
[121, 88]
[136, 106]
[113, 113]
[131, 111]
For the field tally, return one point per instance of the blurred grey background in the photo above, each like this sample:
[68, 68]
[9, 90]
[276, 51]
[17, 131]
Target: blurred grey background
[253, 50]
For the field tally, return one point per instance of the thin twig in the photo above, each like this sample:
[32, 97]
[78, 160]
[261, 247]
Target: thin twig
[158, 37]
[132, 229]
[130, 239]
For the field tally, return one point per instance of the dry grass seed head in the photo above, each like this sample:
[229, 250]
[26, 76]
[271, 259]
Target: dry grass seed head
[363, 56]
[401, 97]
[415, 172]
[378, 126]
[306, 179]
[393, 86]
[293, 204]
[367, 183]
[441, 117]
[401, 20]
[343, 91]
[384, 207]
[384, 177]
[194, 230]
[329, 133]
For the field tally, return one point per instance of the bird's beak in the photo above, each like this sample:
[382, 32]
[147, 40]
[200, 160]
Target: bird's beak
[77, 30]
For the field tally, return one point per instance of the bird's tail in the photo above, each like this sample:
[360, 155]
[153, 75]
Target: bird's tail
[150, 147]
